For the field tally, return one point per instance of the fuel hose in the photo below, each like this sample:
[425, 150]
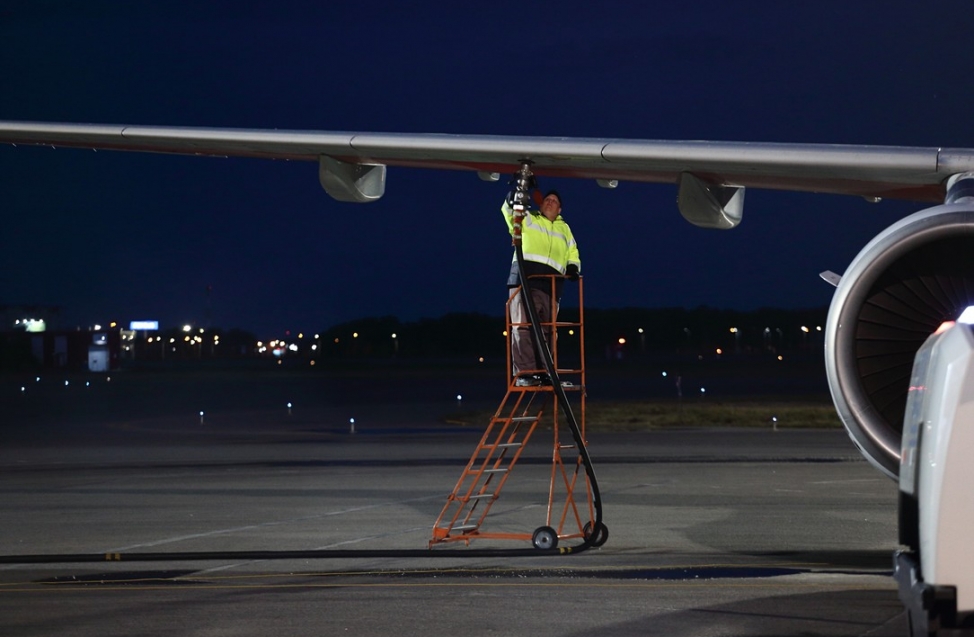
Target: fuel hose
[598, 533]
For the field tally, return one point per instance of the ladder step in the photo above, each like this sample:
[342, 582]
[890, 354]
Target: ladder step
[508, 445]
[523, 418]
[463, 527]
[481, 496]
[500, 470]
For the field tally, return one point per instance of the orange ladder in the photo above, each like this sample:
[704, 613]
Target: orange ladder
[517, 418]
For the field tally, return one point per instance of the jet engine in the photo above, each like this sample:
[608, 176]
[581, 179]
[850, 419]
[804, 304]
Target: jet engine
[900, 288]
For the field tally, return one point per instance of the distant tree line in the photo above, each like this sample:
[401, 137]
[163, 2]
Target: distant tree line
[609, 332]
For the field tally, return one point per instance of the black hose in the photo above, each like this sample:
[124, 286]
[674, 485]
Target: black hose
[541, 347]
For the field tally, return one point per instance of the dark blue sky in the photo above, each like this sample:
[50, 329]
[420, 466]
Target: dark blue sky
[121, 236]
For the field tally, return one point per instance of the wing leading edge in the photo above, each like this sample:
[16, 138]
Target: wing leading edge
[356, 161]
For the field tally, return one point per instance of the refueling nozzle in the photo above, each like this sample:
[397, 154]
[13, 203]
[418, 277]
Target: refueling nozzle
[521, 196]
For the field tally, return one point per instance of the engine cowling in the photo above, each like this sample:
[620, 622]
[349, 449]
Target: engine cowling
[898, 290]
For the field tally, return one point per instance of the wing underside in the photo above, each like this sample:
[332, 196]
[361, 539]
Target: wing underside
[867, 171]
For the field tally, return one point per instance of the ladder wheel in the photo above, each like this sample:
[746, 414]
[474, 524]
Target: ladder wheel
[599, 537]
[545, 538]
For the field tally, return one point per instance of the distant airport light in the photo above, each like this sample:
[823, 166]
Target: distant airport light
[805, 329]
[570, 333]
[459, 397]
[640, 330]
[781, 358]
[65, 383]
[733, 330]
[393, 335]
[112, 324]
[312, 363]
[316, 336]
[147, 326]
[967, 316]
[32, 325]
[96, 327]
[336, 339]
[354, 334]
[719, 351]
[481, 359]
[622, 341]
[504, 332]
[703, 390]
[187, 328]
[300, 334]
[664, 374]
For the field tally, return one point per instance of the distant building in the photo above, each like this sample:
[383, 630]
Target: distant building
[31, 336]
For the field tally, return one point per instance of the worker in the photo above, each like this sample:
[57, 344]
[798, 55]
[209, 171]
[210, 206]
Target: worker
[549, 248]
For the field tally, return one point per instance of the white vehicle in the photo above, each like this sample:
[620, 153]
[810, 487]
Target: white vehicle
[936, 574]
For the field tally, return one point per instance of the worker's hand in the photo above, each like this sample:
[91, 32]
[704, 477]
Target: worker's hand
[572, 272]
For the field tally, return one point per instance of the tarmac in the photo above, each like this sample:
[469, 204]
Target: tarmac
[712, 531]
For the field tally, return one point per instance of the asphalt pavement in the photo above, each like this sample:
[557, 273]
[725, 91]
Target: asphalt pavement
[711, 531]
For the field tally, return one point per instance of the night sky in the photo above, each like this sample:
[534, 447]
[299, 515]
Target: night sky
[123, 236]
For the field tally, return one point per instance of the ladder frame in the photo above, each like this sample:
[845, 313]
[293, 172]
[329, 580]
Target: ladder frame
[512, 426]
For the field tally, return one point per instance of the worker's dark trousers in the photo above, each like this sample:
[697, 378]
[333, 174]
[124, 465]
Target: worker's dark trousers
[523, 355]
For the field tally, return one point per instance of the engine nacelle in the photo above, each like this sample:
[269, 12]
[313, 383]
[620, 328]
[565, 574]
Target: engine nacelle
[898, 290]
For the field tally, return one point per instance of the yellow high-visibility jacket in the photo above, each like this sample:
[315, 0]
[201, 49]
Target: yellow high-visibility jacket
[548, 246]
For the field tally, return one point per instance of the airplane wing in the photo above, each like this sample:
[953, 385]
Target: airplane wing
[711, 175]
